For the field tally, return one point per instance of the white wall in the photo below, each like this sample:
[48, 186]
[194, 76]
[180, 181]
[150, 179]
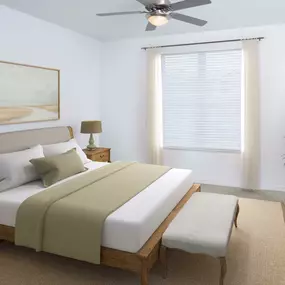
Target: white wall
[124, 108]
[25, 39]
[28, 40]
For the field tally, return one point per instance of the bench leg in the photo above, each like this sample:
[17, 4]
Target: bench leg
[163, 260]
[236, 217]
[283, 208]
[223, 263]
[144, 272]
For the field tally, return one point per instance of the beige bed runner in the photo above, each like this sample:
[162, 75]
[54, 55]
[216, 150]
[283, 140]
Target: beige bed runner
[67, 219]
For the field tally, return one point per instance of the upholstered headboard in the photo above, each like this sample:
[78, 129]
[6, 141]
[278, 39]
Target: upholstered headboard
[16, 141]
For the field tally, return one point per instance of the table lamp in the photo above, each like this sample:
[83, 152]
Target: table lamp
[91, 127]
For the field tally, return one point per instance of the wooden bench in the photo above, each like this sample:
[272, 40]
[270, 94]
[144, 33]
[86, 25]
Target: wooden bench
[203, 226]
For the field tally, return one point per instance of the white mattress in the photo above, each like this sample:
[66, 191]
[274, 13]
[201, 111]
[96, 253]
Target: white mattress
[130, 226]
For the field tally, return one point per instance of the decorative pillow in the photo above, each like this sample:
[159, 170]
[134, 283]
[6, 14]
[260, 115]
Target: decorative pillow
[15, 167]
[55, 168]
[59, 148]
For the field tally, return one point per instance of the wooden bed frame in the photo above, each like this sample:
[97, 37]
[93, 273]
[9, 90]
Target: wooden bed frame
[140, 262]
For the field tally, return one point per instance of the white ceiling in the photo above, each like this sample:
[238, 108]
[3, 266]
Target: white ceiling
[80, 16]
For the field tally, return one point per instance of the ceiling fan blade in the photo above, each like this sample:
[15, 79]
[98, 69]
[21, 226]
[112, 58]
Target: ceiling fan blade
[157, 2]
[143, 2]
[160, 2]
[189, 4]
[188, 19]
[120, 13]
[150, 27]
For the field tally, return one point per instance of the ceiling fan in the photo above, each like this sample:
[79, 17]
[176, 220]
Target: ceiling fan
[159, 12]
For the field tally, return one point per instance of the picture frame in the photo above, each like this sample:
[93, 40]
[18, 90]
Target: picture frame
[28, 93]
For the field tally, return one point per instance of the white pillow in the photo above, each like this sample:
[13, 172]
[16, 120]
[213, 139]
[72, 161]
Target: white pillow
[16, 169]
[59, 148]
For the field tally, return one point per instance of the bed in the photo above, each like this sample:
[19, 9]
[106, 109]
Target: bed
[132, 234]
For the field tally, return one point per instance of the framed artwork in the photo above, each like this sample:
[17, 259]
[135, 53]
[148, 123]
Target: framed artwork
[28, 93]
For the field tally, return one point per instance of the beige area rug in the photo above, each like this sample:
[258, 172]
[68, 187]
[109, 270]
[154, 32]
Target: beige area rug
[256, 256]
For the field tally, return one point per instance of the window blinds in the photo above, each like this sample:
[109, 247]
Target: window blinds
[202, 100]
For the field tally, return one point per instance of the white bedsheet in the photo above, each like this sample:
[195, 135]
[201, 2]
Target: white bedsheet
[130, 226]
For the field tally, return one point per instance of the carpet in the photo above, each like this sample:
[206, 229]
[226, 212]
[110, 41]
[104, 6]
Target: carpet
[256, 256]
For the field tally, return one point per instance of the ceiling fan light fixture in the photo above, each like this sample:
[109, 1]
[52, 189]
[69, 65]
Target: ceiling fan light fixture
[158, 20]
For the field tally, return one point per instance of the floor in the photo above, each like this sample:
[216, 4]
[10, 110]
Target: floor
[266, 195]
[249, 194]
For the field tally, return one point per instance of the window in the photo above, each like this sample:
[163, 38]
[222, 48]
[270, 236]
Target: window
[202, 100]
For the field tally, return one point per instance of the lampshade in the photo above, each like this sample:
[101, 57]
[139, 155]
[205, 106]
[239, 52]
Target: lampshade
[91, 127]
[158, 20]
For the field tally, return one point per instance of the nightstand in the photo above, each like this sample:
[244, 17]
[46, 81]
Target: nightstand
[99, 154]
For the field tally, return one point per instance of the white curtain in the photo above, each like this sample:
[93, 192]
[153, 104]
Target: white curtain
[251, 153]
[154, 115]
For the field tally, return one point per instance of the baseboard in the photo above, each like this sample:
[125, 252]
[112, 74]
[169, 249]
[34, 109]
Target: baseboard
[248, 190]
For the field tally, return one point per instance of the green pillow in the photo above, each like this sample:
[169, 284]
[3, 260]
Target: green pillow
[55, 168]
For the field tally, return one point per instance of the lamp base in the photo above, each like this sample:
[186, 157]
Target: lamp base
[91, 145]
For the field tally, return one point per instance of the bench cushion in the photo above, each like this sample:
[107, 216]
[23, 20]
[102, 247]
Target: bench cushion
[203, 225]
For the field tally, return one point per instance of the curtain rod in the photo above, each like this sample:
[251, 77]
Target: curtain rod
[204, 43]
